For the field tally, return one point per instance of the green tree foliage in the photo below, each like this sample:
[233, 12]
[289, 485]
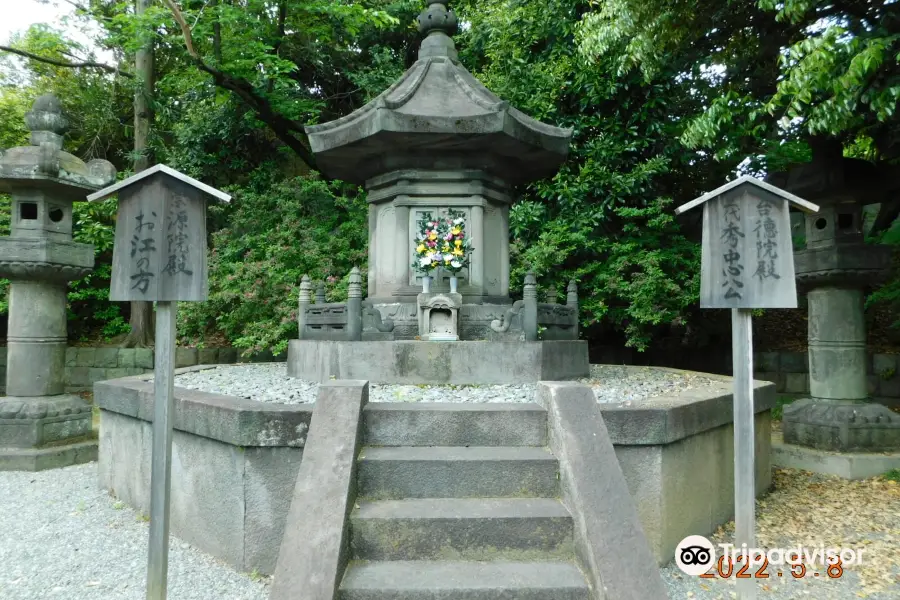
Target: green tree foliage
[785, 69]
[605, 219]
[275, 235]
[664, 100]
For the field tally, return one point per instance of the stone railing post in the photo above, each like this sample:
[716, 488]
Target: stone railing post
[305, 298]
[320, 293]
[551, 295]
[354, 306]
[529, 310]
[572, 302]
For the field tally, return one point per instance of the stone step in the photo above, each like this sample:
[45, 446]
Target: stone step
[425, 580]
[455, 424]
[461, 529]
[396, 473]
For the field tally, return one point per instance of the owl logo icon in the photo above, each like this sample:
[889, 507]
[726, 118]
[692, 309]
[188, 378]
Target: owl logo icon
[695, 555]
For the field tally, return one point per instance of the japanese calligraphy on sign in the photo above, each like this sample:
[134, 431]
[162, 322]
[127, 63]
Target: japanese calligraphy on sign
[747, 256]
[160, 244]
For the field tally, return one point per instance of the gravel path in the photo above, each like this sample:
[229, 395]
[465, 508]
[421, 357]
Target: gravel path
[268, 382]
[61, 537]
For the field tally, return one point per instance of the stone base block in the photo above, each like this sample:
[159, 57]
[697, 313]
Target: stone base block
[27, 422]
[841, 425]
[461, 362]
[54, 457]
[849, 465]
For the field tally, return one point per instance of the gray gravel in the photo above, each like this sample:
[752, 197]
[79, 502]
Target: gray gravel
[268, 382]
[61, 537]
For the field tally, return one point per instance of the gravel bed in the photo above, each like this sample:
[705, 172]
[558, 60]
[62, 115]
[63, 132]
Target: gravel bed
[61, 537]
[268, 382]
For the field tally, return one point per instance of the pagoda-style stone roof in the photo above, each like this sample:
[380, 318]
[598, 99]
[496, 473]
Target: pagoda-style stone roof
[44, 164]
[437, 115]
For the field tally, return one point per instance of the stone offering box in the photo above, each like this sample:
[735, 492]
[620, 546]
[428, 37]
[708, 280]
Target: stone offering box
[234, 461]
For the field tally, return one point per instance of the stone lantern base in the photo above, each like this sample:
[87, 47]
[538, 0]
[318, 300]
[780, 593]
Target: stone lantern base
[841, 425]
[45, 433]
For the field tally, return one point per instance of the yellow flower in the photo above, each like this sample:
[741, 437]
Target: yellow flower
[420, 248]
[446, 248]
[456, 231]
[432, 235]
[458, 242]
[458, 252]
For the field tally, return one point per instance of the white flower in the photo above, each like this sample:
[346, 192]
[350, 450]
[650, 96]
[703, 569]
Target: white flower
[448, 257]
[424, 261]
[455, 264]
[458, 221]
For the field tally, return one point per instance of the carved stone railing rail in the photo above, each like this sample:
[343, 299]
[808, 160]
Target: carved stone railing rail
[541, 320]
[340, 321]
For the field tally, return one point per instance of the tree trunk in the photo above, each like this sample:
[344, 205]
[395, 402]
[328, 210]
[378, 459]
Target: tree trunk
[141, 319]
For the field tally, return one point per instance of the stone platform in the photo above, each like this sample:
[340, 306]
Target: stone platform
[45, 432]
[436, 363]
[235, 460]
[849, 465]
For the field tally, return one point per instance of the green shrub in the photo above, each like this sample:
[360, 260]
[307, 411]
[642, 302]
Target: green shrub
[274, 236]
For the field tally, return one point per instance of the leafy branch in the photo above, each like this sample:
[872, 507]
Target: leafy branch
[88, 64]
[285, 129]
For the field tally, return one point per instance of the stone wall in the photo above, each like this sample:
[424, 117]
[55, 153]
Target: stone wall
[789, 371]
[86, 366]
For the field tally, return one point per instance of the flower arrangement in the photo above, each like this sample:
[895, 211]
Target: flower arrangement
[428, 256]
[442, 243]
[456, 246]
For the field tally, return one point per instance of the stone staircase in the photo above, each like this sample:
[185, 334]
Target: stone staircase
[459, 503]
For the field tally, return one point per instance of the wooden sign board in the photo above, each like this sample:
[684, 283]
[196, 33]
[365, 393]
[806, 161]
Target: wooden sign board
[747, 256]
[160, 242]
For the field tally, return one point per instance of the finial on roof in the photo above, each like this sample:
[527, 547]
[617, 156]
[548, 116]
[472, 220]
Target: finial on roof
[437, 23]
[46, 121]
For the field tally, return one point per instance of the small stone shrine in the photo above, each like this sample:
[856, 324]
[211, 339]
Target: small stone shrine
[835, 270]
[41, 426]
[436, 145]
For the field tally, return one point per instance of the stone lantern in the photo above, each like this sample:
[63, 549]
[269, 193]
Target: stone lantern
[834, 270]
[41, 426]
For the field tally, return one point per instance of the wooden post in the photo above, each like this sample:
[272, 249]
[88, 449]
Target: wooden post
[161, 460]
[159, 255]
[744, 440]
[746, 263]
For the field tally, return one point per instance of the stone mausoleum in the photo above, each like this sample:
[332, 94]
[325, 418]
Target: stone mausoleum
[437, 141]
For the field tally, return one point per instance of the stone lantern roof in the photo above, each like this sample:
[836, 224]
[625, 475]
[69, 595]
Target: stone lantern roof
[437, 115]
[44, 165]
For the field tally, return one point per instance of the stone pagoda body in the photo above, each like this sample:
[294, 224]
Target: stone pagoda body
[40, 425]
[437, 141]
[835, 270]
